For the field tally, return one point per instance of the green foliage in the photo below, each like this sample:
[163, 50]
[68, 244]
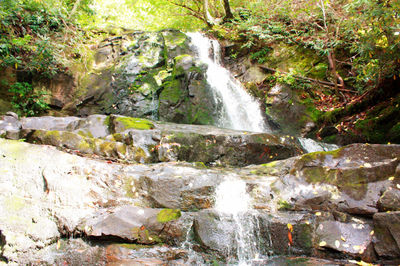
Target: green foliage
[260, 55]
[26, 27]
[142, 15]
[363, 34]
[26, 100]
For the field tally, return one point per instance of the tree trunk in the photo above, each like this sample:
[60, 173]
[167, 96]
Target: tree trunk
[228, 12]
[332, 64]
[209, 19]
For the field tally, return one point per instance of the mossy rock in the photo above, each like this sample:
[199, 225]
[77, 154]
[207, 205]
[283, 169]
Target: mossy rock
[167, 215]
[122, 123]
[172, 91]
[292, 58]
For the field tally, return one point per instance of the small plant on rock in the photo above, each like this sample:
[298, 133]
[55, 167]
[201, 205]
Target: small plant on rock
[26, 100]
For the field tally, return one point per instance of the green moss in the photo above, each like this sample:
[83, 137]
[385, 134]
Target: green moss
[135, 123]
[270, 165]
[134, 246]
[283, 205]
[179, 58]
[140, 156]
[121, 149]
[118, 137]
[172, 91]
[197, 115]
[107, 121]
[330, 139]
[167, 215]
[295, 59]
[174, 38]
[52, 134]
[320, 155]
[85, 133]
[106, 147]
[305, 236]
[200, 165]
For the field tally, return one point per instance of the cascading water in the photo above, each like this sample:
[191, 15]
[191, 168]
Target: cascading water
[233, 203]
[239, 110]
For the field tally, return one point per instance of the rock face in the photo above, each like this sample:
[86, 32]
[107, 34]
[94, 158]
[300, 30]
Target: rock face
[152, 75]
[324, 204]
[139, 140]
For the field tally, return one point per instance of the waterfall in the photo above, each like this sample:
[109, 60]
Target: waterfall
[233, 204]
[239, 110]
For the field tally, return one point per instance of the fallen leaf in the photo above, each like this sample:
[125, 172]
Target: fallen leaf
[337, 244]
[372, 233]
[322, 244]
[368, 165]
[391, 178]
[318, 213]
[290, 227]
[343, 239]
[290, 238]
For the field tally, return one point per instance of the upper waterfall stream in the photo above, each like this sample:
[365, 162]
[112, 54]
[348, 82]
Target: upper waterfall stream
[239, 110]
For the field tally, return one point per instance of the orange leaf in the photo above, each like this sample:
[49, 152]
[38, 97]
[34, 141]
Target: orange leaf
[290, 238]
[142, 227]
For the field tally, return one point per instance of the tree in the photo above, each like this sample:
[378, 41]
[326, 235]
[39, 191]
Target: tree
[330, 51]
[206, 11]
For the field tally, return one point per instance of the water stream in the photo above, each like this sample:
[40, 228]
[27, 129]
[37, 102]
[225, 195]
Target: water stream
[239, 110]
[233, 203]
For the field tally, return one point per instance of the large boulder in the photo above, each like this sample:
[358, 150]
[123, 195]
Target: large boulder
[351, 179]
[150, 75]
[139, 225]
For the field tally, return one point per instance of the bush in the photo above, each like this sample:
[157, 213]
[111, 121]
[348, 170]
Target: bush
[26, 100]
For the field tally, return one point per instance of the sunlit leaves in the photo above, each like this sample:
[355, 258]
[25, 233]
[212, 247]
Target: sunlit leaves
[141, 15]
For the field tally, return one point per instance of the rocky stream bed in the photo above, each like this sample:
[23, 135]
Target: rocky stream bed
[115, 190]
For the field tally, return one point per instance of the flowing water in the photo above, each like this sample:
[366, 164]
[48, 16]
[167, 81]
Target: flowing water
[233, 204]
[239, 110]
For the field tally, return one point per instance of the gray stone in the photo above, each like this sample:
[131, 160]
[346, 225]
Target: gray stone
[352, 238]
[390, 200]
[9, 123]
[387, 234]
[12, 114]
[135, 224]
[180, 187]
[48, 122]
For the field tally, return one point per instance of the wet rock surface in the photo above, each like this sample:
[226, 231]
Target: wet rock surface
[324, 204]
[139, 140]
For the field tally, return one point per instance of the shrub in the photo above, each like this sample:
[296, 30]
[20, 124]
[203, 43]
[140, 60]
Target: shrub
[26, 100]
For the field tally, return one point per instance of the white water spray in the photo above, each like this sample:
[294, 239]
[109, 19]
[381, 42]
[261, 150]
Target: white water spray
[233, 203]
[240, 111]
